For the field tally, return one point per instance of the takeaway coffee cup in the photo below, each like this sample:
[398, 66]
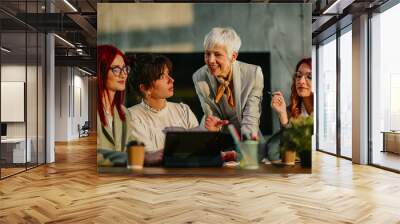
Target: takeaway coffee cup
[135, 150]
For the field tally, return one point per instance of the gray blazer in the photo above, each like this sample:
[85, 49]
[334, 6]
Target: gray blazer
[248, 89]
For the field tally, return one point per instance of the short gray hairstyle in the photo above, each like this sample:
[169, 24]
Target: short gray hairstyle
[225, 36]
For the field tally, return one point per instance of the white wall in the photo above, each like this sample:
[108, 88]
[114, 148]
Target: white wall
[61, 103]
[16, 73]
[13, 72]
[80, 98]
[33, 127]
[70, 83]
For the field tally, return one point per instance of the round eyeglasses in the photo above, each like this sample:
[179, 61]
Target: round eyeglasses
[118, 70]
[299, 75]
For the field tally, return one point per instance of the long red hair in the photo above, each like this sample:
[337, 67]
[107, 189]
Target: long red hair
[105, 56]
[295, 99]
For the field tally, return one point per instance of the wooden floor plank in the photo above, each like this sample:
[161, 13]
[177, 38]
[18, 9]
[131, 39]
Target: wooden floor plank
[71, 191]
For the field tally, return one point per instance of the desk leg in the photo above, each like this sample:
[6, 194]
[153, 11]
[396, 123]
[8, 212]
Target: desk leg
[384, 142]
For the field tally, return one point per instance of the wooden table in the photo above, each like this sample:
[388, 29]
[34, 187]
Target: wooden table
[206, 171]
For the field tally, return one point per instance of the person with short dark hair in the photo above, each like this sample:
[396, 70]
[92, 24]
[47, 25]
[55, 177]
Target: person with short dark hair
[153, 80]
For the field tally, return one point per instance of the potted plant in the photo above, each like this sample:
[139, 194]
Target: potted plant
[296, 138]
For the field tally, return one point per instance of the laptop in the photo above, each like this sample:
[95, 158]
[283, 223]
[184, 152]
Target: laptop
[195, 149]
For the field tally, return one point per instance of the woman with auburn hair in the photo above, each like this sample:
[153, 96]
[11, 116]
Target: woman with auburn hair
[301, 104]
[113, 120]
[301, 98]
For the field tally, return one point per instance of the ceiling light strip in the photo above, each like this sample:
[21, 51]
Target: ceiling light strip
[84, 71]
[65, 41]
[5, 49]
[70, 5]
[326, 11]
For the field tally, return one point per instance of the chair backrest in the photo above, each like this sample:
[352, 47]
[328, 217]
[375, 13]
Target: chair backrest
[86, 125]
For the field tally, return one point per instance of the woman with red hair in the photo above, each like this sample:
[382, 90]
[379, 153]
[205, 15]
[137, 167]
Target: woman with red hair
[113, 121]
[301, 98]
[301, 105]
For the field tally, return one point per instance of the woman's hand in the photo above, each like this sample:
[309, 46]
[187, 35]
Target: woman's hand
[214, 124]
[279, 105]
[278, 102]
[229, 156]
[153, 158]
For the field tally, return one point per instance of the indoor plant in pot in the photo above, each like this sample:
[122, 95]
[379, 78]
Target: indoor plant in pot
[296, 138]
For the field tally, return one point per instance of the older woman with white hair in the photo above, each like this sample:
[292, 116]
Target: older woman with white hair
[227, 88]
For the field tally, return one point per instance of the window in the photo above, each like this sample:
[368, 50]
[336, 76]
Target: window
[327, 96]
[346, 93]
[385, 85]
[22, 66]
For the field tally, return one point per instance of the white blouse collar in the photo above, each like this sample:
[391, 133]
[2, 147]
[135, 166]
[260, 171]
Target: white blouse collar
[148, 107]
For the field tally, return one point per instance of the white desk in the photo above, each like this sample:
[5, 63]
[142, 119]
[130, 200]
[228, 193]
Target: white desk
[18, 149]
